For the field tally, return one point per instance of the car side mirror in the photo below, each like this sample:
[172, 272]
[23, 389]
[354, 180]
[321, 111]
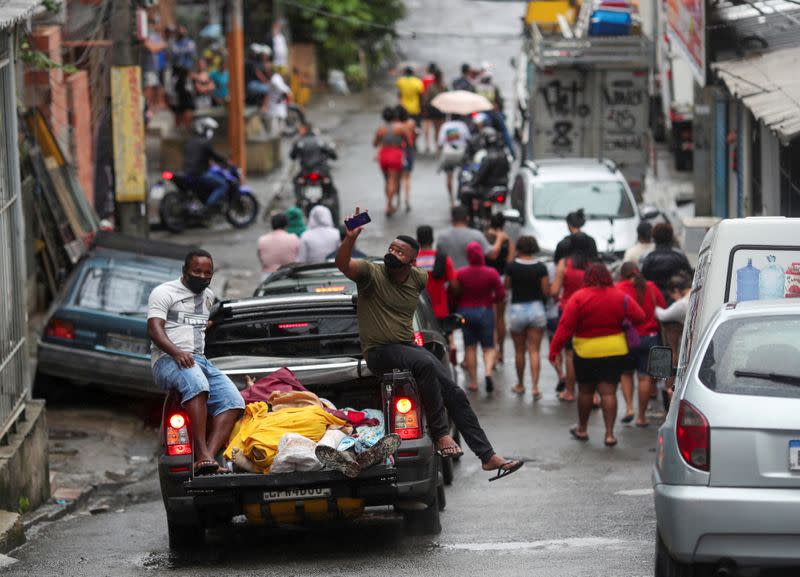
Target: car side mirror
[512, 215]
[649, 212]
[659, 363]
[452, 323]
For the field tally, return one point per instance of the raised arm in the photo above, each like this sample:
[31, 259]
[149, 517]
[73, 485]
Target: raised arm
[344, 256]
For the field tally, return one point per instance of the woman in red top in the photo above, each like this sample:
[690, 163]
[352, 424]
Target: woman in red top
[568, 280]
[593, 318]
[649, 297]
[479, 288]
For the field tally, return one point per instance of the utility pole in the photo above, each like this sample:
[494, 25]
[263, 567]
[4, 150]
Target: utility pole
[127, 113]
[236, 135]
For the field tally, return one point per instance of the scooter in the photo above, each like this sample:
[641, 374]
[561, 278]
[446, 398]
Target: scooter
[479, 198]
[314, 187]
[185, 204]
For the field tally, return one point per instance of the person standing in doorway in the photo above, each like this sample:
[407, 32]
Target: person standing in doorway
[479, 289]
[529, 283]
[594, 319]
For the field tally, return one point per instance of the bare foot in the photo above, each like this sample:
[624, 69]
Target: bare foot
[519, 389]
[473, 387]
[567, 397]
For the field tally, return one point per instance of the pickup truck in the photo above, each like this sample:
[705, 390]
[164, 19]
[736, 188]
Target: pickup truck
[413, 485]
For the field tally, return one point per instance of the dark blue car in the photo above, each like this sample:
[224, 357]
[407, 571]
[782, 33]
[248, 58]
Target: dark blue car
[96, 330]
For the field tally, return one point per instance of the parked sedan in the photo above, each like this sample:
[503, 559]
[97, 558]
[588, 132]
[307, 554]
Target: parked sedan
[727, 476]
[96, 330]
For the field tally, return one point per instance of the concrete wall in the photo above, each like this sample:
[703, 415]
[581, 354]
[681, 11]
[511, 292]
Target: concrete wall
[47, 89]
[24, 471]
[82, 134]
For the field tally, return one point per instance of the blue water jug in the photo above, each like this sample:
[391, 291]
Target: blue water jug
[771, 281]
[747, 282]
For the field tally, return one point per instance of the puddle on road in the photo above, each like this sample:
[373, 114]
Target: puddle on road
[544, 545]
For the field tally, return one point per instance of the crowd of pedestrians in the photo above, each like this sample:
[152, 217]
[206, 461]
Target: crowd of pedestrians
[179, 75]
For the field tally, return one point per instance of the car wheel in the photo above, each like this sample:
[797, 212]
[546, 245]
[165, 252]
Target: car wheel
[442, 498]
[186, 535]
[426, 521]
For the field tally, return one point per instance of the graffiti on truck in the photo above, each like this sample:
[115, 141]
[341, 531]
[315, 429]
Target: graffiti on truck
[564, 103]
[623, 128]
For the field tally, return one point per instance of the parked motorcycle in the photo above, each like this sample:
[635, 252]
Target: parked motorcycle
[185, 205]
[313, 188]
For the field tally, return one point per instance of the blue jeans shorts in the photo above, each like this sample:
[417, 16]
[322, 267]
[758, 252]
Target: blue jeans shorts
[203, 377]
[524, 316]
[478, 326]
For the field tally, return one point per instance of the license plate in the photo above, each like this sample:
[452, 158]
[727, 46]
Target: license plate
[794, 455]
[313, 193]
[126, 344]
[295, 494]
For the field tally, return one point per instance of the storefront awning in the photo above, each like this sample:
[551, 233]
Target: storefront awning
[12, 11]
[769, 86]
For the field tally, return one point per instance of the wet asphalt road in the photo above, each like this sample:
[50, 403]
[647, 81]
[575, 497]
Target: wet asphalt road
[574, 509]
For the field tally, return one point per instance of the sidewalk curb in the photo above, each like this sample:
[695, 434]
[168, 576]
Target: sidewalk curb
[12, 533]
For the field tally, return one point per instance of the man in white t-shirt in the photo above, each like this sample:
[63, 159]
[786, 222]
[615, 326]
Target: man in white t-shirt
[452, 139]
[280, 47]
[177, 317]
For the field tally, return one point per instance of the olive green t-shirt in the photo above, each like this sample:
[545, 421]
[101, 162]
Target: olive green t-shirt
[386, 309]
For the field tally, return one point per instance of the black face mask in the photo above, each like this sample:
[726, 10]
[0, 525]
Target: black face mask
[196, 284]
[392, 262]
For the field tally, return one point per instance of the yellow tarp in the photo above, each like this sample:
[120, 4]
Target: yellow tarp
[258, 433]
[544, 12]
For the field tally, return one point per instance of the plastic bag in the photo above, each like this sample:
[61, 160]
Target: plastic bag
[295, 453]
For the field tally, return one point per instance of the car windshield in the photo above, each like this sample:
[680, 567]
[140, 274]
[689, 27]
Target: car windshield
[754, 356]
[599, 200]
[120, 290]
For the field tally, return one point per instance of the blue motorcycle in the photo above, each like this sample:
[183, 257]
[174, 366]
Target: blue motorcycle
[185, 205]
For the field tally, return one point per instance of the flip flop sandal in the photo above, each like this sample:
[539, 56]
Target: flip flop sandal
[562, 384]
[520, 390]
[611, 443]
[501, 472]
[451, 452]
[205, 467]
[626, 419]
[537, 396]
[574, 432]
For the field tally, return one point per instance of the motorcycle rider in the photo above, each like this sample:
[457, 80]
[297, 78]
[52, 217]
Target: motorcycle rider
[312, 152]
[199, 158]
[494, 166]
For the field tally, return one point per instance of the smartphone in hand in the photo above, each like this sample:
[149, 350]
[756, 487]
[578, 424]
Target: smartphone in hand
[360, 219]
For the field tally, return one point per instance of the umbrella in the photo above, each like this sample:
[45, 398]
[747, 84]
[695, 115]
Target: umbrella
[461, 102]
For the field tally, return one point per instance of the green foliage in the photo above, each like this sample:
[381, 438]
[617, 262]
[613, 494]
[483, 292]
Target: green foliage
[355, 76]
[24, 505]
[341, 27]
[51, 5]
[38, 59]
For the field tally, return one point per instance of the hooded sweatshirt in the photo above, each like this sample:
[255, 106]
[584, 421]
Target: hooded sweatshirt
[296, 225]
[320, 238]
[481, 285]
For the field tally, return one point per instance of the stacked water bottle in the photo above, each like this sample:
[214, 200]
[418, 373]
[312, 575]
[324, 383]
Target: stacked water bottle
[768, 283]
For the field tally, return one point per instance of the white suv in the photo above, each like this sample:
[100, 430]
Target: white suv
[546, 191]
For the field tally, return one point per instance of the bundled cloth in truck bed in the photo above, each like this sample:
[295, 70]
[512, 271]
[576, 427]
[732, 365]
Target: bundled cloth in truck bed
[258, 434]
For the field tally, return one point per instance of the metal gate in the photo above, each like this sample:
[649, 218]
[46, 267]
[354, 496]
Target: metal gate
[13, 302]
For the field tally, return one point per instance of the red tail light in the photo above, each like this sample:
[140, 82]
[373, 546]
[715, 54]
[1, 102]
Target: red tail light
[313, 176]
[406, 418]
[178, 442]
[60, 330]
[419, 339]
[693, 434]
[500, 198]
[167, 175]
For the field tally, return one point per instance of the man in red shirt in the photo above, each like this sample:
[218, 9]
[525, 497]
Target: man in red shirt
[441, 272]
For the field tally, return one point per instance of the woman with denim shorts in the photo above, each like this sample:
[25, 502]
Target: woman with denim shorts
[529, 282]
[480, 287]
[648, 296]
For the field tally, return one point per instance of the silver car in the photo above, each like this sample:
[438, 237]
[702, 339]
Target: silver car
[727, 476]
